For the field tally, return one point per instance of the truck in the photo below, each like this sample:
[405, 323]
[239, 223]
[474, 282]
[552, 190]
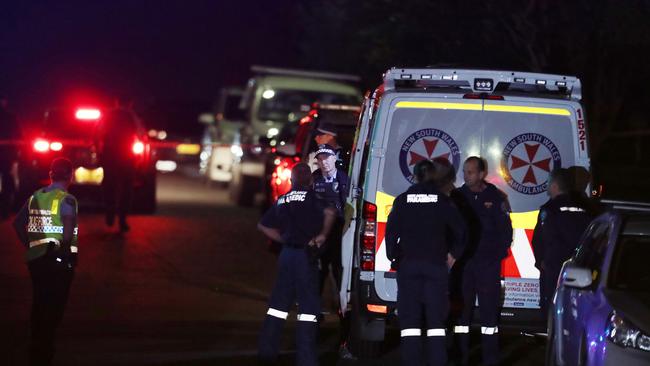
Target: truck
[272, 98]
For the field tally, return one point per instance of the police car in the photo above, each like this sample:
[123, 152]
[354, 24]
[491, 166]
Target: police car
[523, 124]
[75, 133]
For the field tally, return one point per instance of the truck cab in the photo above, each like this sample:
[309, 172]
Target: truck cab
[271, 99]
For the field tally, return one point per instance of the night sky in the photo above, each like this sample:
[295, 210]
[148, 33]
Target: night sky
[52, 50]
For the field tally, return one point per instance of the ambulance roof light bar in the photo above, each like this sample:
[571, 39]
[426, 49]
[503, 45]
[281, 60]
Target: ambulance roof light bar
[482, 80]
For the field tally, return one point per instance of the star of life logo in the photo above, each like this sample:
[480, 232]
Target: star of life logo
[427, 143]
[421, 198]
[527, 161]
[294, 196]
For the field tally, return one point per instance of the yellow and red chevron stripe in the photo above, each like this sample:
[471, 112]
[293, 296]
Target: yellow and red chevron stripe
[520, 262]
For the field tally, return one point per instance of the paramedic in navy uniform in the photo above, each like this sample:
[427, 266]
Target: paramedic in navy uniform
[301, 223]
[560, 224]
[490, 236]
[424, 234]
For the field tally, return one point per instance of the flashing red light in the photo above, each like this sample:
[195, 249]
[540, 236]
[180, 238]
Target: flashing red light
[483, 96]
[41, 146]
[56, 146]
[138, 147]
[281, 177]
[305, 119]
[88, 114]
[472, 96]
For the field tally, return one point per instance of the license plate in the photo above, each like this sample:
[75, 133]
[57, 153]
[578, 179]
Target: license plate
[89, 176]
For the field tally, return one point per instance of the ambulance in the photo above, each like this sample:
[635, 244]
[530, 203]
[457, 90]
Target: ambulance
[524, 125]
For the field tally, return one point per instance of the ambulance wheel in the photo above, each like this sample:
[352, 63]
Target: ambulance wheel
[362, 330]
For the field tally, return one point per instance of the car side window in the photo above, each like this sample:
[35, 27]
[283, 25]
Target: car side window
[591, 252]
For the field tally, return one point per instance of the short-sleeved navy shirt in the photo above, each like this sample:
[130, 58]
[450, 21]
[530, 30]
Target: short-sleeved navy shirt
[298, 215]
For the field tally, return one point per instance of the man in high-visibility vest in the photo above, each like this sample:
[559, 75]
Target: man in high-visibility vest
[47, 226]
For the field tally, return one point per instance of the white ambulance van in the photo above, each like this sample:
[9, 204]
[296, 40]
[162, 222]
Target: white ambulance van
[523, 124]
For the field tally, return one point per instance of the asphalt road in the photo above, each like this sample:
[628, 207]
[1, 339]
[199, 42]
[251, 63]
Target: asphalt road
[186, 286]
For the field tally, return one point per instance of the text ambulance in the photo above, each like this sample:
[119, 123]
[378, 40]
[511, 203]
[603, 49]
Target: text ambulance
[523, 124]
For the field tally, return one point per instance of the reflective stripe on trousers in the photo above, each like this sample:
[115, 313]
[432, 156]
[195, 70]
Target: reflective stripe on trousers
[489, 330]
[306, 318]
[436, 332]
[411, 332]
[277, 313]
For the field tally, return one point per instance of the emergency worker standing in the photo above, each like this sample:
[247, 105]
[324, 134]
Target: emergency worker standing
[300, 222]
[47, 226]
[331, 187]
[326, 134]
[425, 233]
[560, 224]
[118, 163]
[490, 236]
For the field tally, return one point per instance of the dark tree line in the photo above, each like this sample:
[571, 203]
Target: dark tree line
[604, 42]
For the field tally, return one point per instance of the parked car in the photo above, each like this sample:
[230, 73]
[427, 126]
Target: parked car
[295, 143]
[601, 308]
[75, 133]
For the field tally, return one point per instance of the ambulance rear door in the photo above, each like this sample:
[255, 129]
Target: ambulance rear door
[352, 207]
[417, 126]
[524, 139]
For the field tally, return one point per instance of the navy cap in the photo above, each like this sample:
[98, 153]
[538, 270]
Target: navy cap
[326, 128]
[325, 149]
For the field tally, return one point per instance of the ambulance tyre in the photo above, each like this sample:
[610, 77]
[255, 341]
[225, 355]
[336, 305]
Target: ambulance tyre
[366, 335]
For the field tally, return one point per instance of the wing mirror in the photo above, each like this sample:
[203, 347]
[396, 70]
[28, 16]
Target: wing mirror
[576, 277]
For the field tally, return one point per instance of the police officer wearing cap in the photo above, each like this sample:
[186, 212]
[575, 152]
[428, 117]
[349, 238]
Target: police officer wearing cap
[424, 234]
[301, 223]
[326, 134]
[47, 226]
[560, 224]
[490, 236]
[331, 187]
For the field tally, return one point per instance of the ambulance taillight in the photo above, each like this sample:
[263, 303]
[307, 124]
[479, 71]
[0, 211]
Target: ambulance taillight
[369, 237]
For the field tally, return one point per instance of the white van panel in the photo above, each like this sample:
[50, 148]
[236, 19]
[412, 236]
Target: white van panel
[523, 139]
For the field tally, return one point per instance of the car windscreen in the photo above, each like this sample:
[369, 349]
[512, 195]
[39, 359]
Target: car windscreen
[629, 270]
[344, 124]
[63, 124]
[287, 105]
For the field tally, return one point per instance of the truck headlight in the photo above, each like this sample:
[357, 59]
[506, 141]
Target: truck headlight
[622, 333]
